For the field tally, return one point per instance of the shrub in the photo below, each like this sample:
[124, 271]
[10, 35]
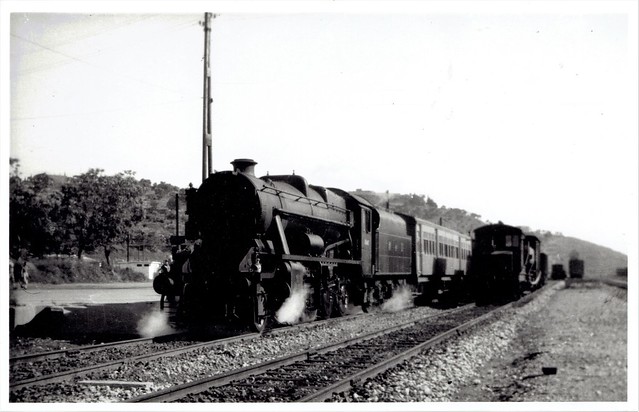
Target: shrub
[57, 270]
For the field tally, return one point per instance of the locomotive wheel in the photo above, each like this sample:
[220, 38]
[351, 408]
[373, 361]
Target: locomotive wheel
[259, 316]
[326, 302]
[342, 300]
[535, 281]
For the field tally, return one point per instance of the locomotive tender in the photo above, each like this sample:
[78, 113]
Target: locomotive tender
[258, 241]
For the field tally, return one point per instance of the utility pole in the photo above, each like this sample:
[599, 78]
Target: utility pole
[207, 155]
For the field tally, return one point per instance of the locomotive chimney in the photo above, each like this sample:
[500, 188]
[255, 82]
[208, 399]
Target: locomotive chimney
[244, 166]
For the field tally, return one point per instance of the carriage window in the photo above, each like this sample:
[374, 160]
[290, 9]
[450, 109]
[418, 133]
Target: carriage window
[390, 246]
[367, 223]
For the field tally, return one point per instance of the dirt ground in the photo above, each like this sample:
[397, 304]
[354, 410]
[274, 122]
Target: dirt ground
[582, 333]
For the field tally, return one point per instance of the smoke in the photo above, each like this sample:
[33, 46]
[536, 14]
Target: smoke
[402, 298]
[292, 310]
[154, 324]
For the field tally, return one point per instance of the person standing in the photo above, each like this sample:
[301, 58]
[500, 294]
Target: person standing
[20, 273]
[11, 274]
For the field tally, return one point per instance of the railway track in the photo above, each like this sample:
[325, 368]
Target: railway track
[314, 375]
[622, 284]
[127, 378]
[61, 353]
[31, 369]
[61, 365]
[153, 374]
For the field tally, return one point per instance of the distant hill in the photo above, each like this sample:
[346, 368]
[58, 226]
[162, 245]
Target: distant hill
[599, 261]
[424, 208]
[148, 239]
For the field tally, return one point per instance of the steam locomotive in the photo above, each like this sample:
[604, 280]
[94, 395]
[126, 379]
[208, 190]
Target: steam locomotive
[258, 241]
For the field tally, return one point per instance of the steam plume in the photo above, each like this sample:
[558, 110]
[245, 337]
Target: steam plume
[402, 298]
[292, 310]
[154, 324]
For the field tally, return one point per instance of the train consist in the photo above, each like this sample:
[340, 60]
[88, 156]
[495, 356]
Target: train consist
[259, 241]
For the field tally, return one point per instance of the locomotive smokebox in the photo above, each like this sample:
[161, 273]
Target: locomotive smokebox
[244, 166]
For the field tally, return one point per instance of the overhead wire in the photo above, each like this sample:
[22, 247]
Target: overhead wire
[78, 38]
[171, 29]
[103, 111]
[177, 27]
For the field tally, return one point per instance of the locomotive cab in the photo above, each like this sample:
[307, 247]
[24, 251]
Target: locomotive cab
[497, 262]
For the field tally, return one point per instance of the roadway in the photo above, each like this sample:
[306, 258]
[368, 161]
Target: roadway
[85, 308]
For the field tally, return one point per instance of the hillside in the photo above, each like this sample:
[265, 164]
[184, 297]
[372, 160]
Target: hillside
[599, 261]
[424, 208]
[43, 227]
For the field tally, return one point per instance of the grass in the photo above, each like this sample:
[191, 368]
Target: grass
[59, 270]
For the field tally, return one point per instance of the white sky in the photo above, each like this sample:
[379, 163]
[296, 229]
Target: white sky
[520, 112]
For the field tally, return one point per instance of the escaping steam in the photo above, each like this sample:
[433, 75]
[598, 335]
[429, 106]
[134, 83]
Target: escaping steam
[154, 324]
[402, 298]
[292, 310]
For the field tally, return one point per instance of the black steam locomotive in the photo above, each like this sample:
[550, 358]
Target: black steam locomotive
[506, 262]
[258, 241]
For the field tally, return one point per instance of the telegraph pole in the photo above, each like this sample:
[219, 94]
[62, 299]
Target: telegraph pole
[207, 155]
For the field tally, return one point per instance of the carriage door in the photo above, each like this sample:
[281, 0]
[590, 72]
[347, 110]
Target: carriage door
[367, 241]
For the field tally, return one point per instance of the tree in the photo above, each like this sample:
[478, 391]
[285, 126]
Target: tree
[34, 206]
[99, 210]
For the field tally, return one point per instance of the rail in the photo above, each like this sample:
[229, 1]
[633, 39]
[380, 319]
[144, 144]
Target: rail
[180, 391]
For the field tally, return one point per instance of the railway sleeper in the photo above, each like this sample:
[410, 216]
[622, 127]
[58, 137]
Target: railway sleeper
[278, 378]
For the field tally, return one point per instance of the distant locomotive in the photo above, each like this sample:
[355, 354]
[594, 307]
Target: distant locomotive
[576, 268]
[558, 272]
[258, 241]
[505, 262]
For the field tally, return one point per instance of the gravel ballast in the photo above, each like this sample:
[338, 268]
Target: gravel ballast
[581, 332]
[164, 372]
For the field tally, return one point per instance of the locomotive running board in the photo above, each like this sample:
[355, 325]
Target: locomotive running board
[322, 260]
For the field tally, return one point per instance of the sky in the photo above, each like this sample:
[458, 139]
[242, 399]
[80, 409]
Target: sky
[519, 112]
